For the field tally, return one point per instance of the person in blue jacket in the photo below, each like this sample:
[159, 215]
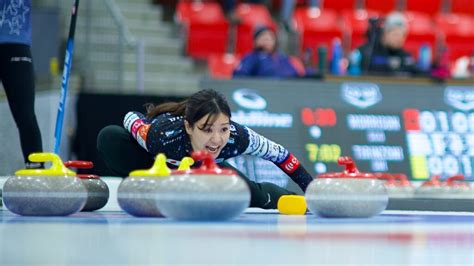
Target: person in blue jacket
[17, 73]
[265, 60]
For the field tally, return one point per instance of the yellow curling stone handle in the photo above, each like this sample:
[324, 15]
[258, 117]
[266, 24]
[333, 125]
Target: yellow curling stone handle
[185, 164]
[159, 168]
[292, 205]
[57, 168]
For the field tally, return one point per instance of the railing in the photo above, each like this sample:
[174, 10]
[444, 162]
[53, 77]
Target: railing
[126, 40]
[99, 54]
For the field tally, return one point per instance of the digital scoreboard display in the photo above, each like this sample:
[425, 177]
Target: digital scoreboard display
[419, 130]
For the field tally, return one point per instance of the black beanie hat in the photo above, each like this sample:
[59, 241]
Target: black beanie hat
[259, 30]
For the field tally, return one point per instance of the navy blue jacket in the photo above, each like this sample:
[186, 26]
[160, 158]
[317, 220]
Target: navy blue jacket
[166, 134]
[263, 64]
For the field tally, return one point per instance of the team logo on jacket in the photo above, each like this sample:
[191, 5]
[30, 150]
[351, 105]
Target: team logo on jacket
[173, 162]
[461, 98]
[290, 164]
[361, 95]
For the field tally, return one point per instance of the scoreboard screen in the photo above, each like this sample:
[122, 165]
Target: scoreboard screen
[419, 130]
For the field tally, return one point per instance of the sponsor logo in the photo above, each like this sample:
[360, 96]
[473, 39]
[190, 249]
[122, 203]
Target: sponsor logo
[135, 126]
[256, 116]
[461, 98]
[263, 119]
[361, 95]
[249, 99]
[143, 131]
[290, 164]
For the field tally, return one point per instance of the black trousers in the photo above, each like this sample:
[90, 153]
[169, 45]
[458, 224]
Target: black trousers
[17, 76]
[122, 154]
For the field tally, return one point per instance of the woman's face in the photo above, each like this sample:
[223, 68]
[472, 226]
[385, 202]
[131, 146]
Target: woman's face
[211, 138]
[266, 41]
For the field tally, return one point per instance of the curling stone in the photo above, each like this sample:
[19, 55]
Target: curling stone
[397, 185]
[137, 193]
[208, 193]
[44, 192]
[97, 189]
[433, 188]
[460, 189]
[349, 194]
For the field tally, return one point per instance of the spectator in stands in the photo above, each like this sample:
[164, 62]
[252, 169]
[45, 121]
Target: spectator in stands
[287, 10]
[383, 52]
[265, 60]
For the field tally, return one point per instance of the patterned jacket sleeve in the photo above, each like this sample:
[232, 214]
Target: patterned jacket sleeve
[137, 125]
[264, 148]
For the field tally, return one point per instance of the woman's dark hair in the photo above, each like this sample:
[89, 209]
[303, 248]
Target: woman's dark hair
[202, 103]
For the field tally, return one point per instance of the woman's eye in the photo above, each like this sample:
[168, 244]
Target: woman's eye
[225, 129]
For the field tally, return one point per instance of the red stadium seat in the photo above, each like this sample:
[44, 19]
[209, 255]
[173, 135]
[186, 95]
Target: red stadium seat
[339, 5]
[462, 6]
[458, 33]
[221, 66]
[317, 28]
[421, 31]
[430, 7]
[206, 29]
[381, 6]
[357, 23]
[251, 16]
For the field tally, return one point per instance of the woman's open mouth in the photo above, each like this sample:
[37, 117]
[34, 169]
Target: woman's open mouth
[212, 149]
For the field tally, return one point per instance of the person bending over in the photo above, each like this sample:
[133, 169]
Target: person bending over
[200, 123]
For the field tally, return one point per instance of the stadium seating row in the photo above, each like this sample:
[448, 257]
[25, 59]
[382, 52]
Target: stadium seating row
[206, 29]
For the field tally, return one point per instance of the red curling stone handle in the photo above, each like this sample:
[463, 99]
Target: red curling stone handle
[347, 161]
[208, 162]
[79, 164]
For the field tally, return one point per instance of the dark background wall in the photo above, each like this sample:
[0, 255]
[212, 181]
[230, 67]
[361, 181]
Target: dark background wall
[94, 112]
[45, 39]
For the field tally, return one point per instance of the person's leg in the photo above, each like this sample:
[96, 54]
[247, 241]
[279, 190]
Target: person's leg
[120, 152]
[287, 9]
[262, 195]
[18, 80]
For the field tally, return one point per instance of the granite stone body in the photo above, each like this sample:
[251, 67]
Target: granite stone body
[97, 194]
[395, 191]
[137, 196]
[203, 197]
[44, 195]
[346, 197]
[445, 192]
